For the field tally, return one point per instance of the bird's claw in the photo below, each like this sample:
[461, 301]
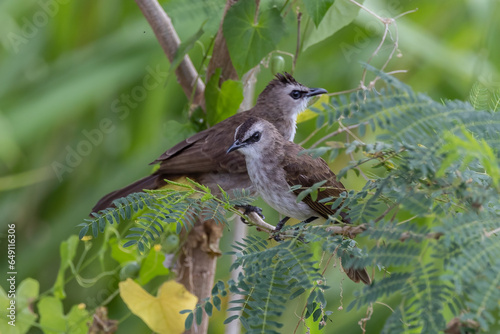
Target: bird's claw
[276, 233]
[249, 209]
[281, 223]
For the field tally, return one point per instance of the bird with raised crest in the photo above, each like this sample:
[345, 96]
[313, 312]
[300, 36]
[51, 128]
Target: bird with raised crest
[274, 166]
[202, 157]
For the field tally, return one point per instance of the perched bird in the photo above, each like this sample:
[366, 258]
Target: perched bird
[202, 157]
[273, 165]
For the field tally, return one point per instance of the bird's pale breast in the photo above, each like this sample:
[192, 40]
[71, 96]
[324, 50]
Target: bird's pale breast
[271, 185]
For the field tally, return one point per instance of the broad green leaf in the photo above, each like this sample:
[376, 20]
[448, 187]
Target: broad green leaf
[224, 102]
[152, 266]
[249, 39]
[338, 16]
[53, 320]
[187, 15]
[161, 313]
[317, 9]
[51, 315]
[121, 254]
[77, 319]
[67, 251]
[26, 292]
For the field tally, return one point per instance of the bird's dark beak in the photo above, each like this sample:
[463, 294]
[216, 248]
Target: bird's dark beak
[316, 91]
[236, 145]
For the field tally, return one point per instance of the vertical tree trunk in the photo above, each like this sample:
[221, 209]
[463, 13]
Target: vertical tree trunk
[197, 262]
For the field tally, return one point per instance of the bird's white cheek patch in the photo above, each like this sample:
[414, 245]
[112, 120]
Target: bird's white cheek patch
[294, 127]
[301, 107]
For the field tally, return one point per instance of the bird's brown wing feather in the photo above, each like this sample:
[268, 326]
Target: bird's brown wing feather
[181, 146]
[306, 171]
[317, 170]
[205, 152]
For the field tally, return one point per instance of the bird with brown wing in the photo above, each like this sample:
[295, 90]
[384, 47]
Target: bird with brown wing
[202, 157]
[274, 166]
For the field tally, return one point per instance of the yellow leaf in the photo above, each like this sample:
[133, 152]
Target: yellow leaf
[308, 114]
[160, 313]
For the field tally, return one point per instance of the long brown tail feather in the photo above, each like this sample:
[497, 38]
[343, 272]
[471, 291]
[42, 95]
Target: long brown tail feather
[357, 275]
[148, 182]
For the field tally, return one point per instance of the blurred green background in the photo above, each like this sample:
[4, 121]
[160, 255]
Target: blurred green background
[77, 118]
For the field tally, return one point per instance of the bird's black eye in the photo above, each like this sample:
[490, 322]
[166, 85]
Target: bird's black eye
[255, 137]
[296, 94]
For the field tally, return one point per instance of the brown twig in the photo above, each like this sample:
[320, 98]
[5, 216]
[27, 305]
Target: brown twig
[334, 133]
[389, 209]
[352, 231]
[351, 154]
[363, 321]
[406, 235]
[163, 28]
[312, 134]
[387, 22]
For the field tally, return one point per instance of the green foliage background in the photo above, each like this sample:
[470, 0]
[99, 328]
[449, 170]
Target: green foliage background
[73, 71]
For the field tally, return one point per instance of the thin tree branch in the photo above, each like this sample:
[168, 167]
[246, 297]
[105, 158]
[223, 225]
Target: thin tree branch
[387, 22]
[334, 133]
[162, 26]
[312, 134]
[352, 231]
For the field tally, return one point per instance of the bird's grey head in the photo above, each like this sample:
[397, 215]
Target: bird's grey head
[286, 94]
[254, 136]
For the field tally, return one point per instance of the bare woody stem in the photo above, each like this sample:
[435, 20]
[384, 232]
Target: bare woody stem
[163, 28]
[351, 231]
